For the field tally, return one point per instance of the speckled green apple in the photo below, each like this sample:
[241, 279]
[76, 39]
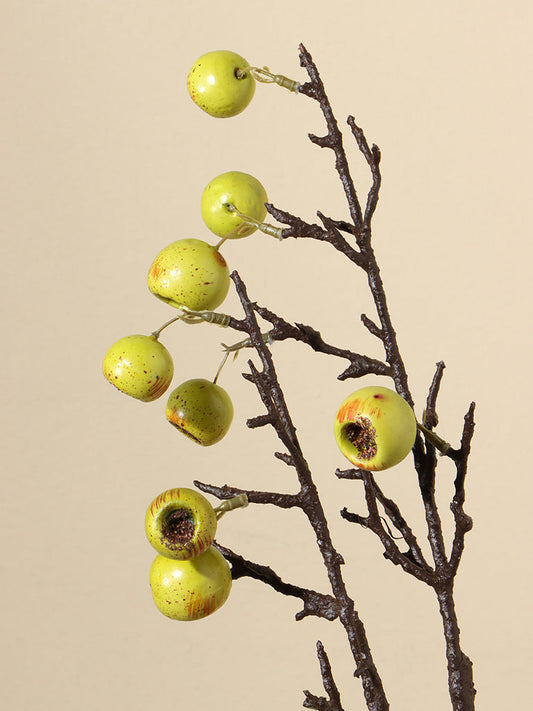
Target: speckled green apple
[219, 83]
[190, 273]
[139, 366]
[236, 189]
[201, 410]
[375, 428]
[180, 523]
[190, 589]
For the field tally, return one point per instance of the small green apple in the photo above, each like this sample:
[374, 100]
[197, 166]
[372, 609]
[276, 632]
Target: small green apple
[190, 273]
[201, 410]
[239, 190]
[180, 523]
[139, 366]
[219, 83]
[375, 428]
[190, 589]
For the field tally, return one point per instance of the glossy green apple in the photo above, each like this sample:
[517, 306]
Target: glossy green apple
[139, 366]
[190, 589]
[180, 523]
[190, 273]
[239, 190]
[219, 83]
[375, 428]
[201, 409]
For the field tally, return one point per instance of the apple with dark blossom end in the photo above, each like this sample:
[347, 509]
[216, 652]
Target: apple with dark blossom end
[180, 523]
[375, 428]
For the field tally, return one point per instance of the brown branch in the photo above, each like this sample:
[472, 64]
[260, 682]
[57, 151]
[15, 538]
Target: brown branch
[321, 703]
[463, 522]
[300, 229]
[271, 395]
[333, 139]
[282, 501]
[315, 604]
[430, 415]
[359, 364]
[373, 158]
[412, 561]
[441, 577]
[414, 553]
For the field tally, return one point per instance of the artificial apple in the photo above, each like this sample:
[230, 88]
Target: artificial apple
[220, 84]
[180, 523]
[190, 589]
[201, 409]
[190, 273]
[139, 366]
[375, 428]
[233, 189]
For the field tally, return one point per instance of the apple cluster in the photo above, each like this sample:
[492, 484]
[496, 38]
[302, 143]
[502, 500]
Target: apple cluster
[189, 577]
[190, 275]
[375, 428]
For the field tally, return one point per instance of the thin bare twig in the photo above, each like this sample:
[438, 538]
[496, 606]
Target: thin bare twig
[321, 703]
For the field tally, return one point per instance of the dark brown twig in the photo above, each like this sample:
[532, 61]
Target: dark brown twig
[271, 394]
[321, 703]
[315, 603]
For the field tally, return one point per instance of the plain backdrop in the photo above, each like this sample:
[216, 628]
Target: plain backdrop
[104, 159]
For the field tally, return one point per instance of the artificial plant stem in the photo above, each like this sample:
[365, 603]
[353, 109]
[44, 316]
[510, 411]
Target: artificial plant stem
[390, 343]
[460, 677]
[236, 502]
[157, 333]
[272, 395]
[434, 439]
[460, 682]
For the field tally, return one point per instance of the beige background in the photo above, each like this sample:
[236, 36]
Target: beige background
[104, 161]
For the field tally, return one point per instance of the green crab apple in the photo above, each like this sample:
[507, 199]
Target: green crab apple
[190, 273]
[201, 409]
[233, 190]
[139, 366]
[180, 523]
[220, 84]
[375, 428]
[190, 589]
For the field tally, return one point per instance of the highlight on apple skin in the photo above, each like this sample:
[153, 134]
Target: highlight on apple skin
[237, 189]
[201, 410]
[180, 523]
[190, 273]
[375, 428]
[220, 85]
[139, 366]
[191, 589]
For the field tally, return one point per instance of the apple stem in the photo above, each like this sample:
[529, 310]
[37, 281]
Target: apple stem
[264, 75]
[157, 333]
[267, 337]
[193, 317]
[264, 227]
[235, 502]
[219, 245]
[434, 439]
[236, 347]
[222, 364]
